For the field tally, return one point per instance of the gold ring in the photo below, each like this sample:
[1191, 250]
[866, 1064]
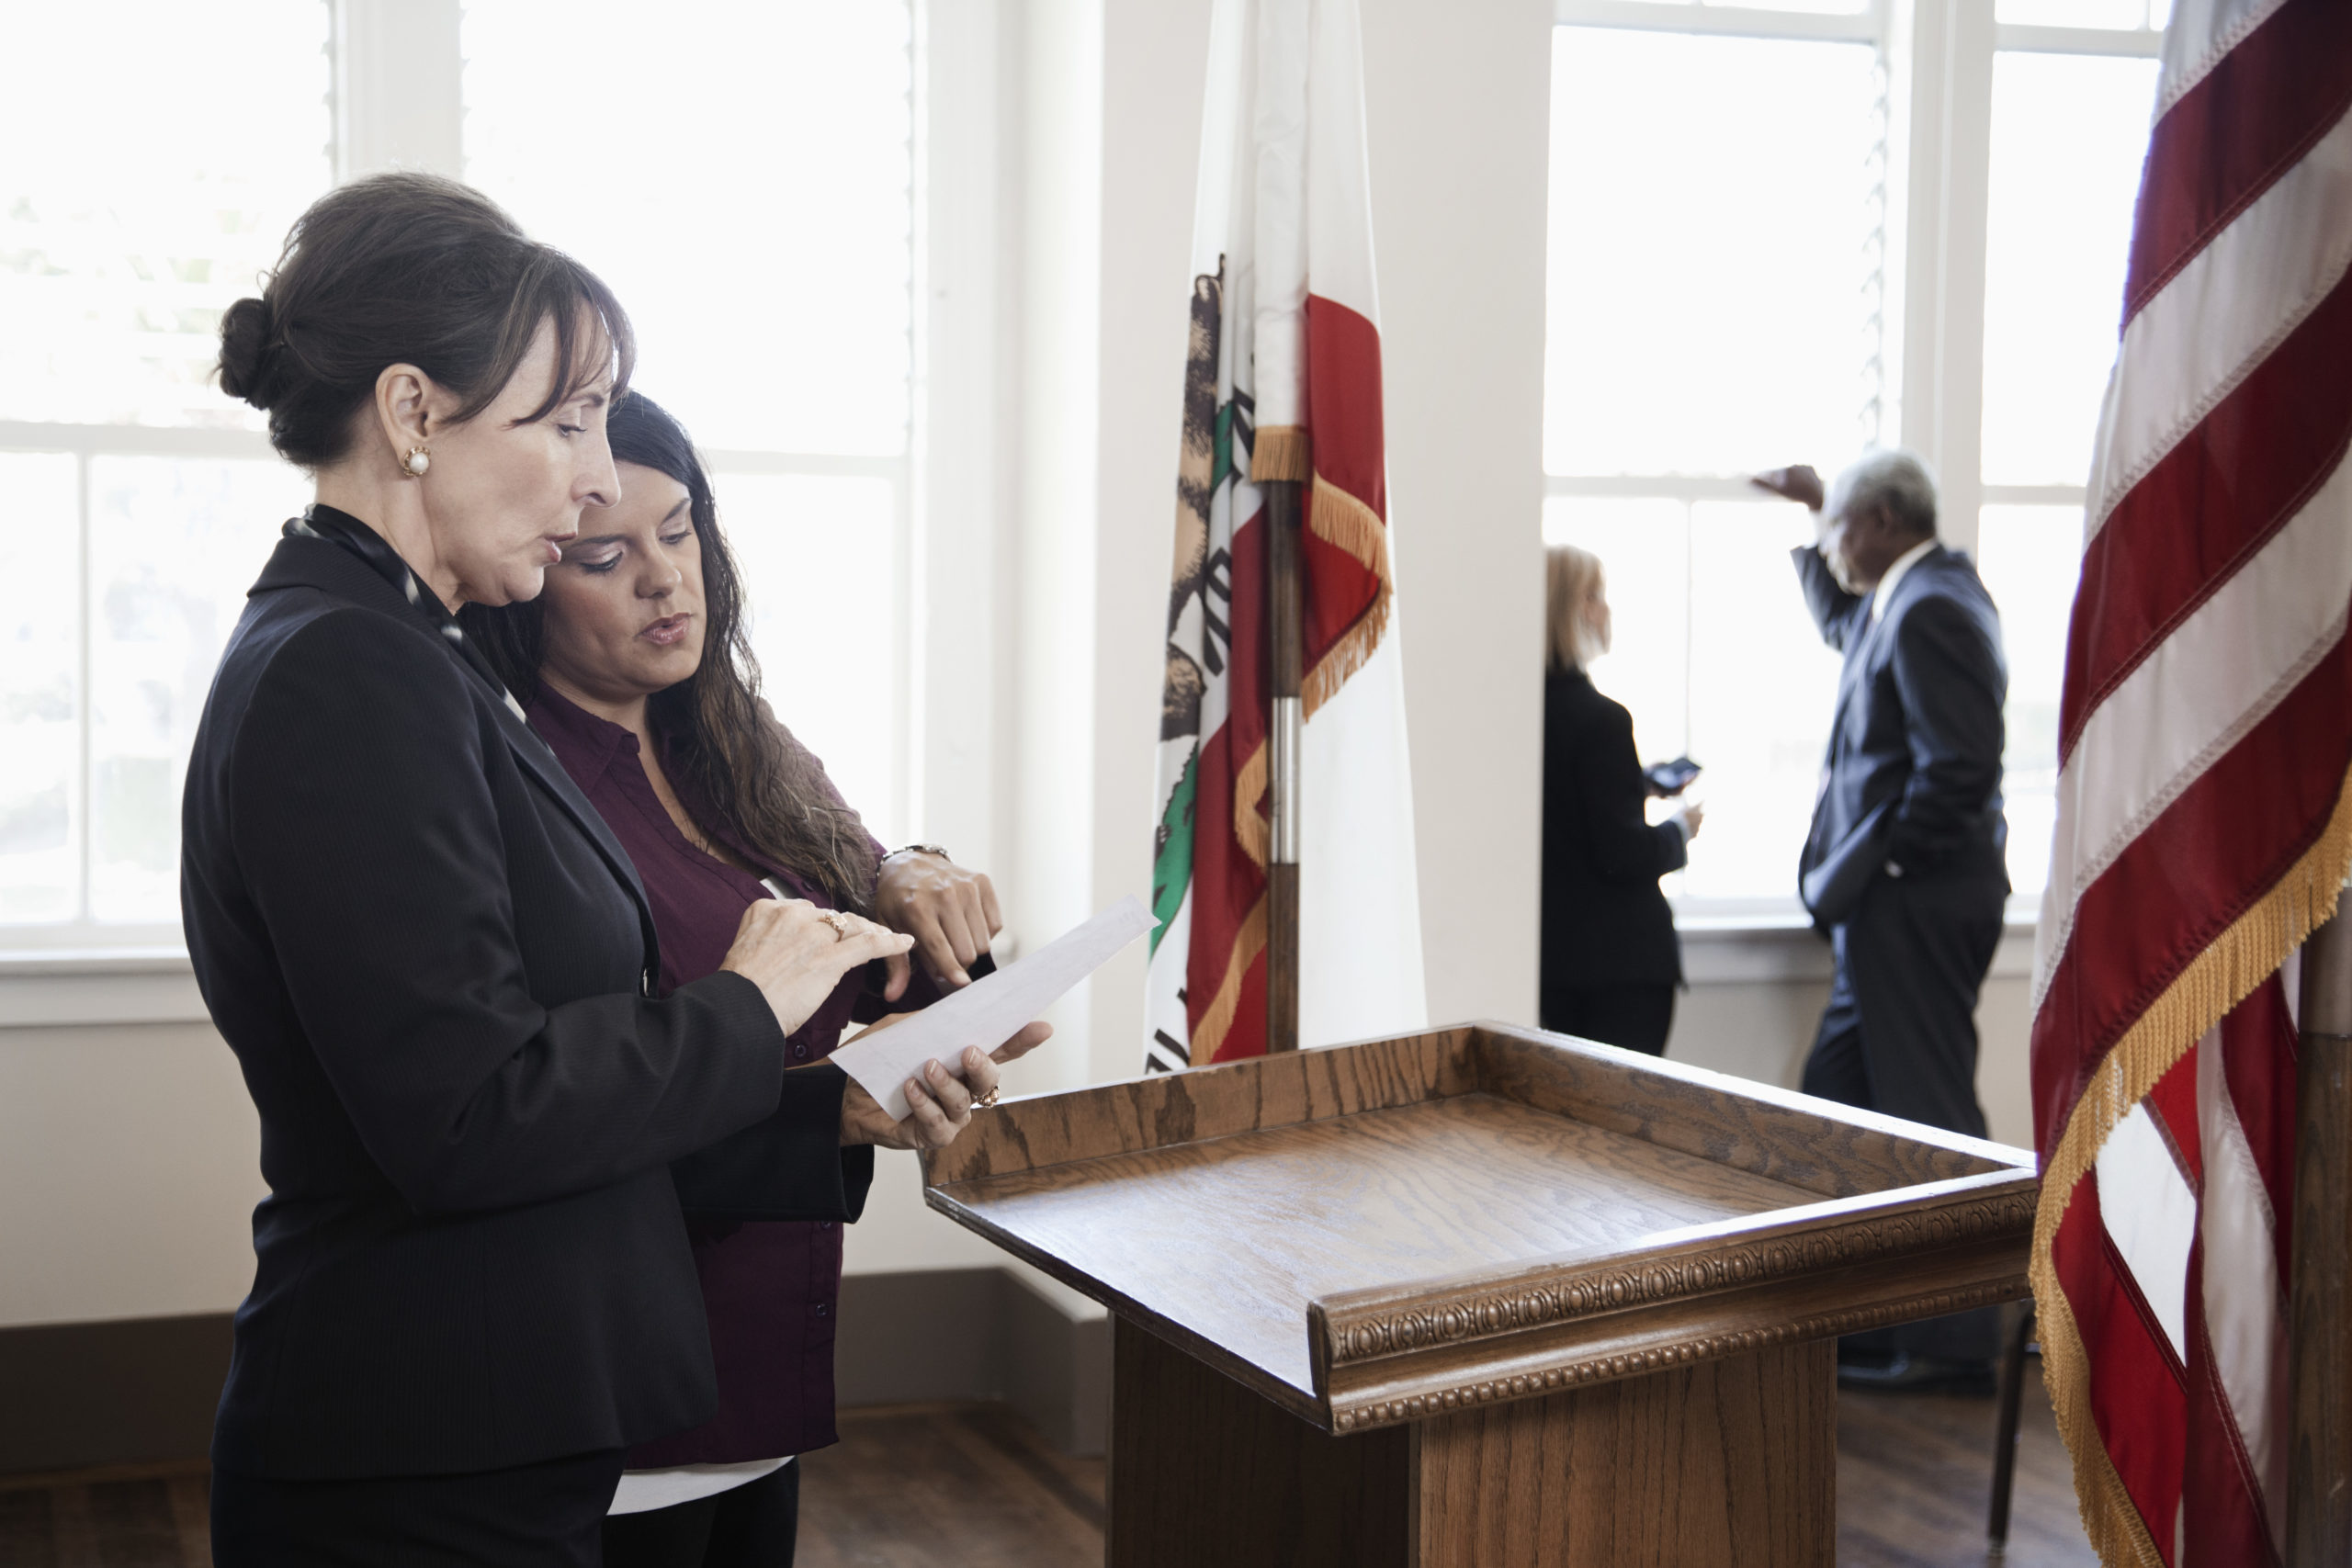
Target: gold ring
[986, 1101]
[839, 921]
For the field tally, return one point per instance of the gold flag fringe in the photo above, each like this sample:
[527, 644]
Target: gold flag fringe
[1216, 1020]
[2216, 980]
[1250, 828]
[1337, 518]
[1279, 452]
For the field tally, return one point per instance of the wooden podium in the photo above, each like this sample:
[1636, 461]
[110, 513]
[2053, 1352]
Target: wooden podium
[1482, 1295]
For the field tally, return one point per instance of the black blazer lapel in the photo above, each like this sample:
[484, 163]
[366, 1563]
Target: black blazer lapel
[305, 562]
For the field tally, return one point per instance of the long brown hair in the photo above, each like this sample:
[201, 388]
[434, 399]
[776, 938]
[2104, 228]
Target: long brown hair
[731, 748]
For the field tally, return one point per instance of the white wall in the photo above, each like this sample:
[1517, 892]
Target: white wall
[1755, 1000]
[129, 1169]
[1458, 105]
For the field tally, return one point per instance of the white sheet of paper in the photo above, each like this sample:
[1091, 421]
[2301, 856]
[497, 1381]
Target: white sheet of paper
[990, 1010]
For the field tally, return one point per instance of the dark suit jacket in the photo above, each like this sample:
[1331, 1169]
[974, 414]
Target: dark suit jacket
[430, 957]
[1913, 775]
[1605, 920]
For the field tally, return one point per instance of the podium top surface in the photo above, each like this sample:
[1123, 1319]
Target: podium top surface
[1368, 1233]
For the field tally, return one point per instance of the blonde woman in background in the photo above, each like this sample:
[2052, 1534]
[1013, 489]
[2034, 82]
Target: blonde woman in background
[1611, 960]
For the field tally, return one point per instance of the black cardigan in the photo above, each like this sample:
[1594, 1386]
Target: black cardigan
[428, 955]
[1605, 920]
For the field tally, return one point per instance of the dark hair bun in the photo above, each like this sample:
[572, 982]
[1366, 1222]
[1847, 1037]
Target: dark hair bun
[409, 268]
[248, 355]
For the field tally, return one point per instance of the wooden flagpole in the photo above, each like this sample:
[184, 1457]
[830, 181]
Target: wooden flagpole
[1286, 647]
[2319, 1485]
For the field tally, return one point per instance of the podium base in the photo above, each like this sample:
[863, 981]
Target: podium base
[1723, 1463]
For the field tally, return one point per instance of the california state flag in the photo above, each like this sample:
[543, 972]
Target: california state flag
[1282, 382]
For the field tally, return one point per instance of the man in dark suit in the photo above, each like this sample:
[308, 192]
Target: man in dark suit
[1904, 866]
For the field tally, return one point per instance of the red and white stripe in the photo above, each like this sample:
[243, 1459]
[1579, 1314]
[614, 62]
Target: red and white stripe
[2205, 732]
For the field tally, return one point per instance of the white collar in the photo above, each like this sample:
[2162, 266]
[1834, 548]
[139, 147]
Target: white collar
[1884, 591]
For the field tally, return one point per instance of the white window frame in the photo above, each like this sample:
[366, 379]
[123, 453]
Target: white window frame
[398, 70]
[1938, 57]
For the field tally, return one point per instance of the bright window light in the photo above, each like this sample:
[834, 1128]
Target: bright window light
[2069, 134]
[747, 191]
[816, 552]
[140, 195]
[1712, 264]
[2083, 12]
[175, 545]
[2030, 558]
[144, 188]
[40, 698]
[741, 175]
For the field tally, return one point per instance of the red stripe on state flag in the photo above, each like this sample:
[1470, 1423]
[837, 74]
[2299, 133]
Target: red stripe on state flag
[2187, 877]
[2135, 1392]
[2242, 474]
[2233, 134]
[1248, 1036]
[1347, 441]
[1338, 590]
[1227, 883]
[1343, 398]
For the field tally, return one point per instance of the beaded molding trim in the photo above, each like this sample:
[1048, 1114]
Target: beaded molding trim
[1515, 1311]
[1609, 1369]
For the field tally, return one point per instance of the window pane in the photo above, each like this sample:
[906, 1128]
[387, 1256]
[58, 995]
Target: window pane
[818, 563]
[2069, 134]
[2030, 558]
[1644, 547]
[1844, 7]
[40, 870]
[175, 543]
[152, 154]
[2074, 13]
[1762, 687]
[1713, 252]
[747, 193]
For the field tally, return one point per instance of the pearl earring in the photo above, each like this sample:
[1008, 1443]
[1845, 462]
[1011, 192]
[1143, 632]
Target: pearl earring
[418, 460]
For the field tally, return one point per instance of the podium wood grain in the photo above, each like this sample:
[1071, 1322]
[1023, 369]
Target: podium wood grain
[1707, 1464]
[1572, 1304]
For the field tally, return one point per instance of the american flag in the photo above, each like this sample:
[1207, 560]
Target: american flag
[2203, 822]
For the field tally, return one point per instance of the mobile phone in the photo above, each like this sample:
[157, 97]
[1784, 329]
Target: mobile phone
[1671, 778]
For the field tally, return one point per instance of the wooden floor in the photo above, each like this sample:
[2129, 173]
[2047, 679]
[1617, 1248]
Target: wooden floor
[970, 1485]
[1915, 1477]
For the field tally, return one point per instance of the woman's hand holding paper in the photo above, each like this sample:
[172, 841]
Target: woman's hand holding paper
[939, 1101]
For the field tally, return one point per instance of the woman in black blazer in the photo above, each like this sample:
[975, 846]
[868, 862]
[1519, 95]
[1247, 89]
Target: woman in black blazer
[1610, 958]
[473, 1288]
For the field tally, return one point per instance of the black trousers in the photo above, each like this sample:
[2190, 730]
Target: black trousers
[1899, 1036]
[751, 1525]
[534, 1516]
[1639, 1018]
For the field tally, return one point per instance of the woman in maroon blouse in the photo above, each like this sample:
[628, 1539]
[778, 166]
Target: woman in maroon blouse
[646, 690]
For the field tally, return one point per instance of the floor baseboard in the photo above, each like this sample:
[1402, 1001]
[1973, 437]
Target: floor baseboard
[140, 1391]
[122, 1393]
[964, 1334]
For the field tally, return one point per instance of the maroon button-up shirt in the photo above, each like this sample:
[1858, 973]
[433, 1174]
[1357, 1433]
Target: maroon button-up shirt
[772, 1287]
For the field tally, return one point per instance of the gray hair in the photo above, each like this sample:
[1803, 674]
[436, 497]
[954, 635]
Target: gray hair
[1889, 477]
